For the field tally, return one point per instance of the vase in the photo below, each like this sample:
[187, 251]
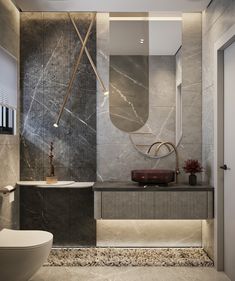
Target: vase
[192, 179]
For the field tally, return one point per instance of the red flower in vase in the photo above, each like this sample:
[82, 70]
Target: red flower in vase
[192, 166]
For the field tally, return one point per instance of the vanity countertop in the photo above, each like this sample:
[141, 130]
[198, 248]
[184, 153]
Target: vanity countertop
[133, 186]
[59, 184]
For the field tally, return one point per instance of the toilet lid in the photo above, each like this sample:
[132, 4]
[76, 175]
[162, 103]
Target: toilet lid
[23, 238]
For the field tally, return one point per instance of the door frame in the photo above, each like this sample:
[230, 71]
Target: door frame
[220, 45]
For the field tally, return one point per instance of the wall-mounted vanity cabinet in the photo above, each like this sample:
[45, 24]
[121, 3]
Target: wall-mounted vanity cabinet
[127, 200]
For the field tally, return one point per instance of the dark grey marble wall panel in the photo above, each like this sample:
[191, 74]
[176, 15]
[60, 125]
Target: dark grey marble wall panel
[66, 212]
[49, 49]
[82, 222]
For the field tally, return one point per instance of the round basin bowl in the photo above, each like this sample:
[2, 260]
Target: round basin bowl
[154, 176]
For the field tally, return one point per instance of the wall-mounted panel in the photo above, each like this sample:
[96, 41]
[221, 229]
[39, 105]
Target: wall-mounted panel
[49, 50]
[66, 212]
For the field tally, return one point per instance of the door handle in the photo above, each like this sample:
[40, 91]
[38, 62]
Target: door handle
[224, 167]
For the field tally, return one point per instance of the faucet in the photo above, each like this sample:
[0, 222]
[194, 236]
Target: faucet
[158, 142]
[167, 144]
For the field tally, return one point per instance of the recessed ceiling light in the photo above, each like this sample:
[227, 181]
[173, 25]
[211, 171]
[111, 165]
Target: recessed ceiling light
[141, 40]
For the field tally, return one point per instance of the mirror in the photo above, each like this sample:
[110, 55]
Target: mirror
[145, 79]
[129, 71]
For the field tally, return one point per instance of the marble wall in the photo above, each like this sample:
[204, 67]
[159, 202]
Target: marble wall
[192, 87]
[66, 212]
[162, 87]
[9, 27]
[216, 20]
[9, 145]
[149, 233]
[160, 125]
[49, 49]
[116, 155]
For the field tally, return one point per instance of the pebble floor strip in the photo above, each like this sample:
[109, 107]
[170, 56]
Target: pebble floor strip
[128, 257]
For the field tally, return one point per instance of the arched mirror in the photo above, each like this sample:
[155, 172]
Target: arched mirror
[129, 71]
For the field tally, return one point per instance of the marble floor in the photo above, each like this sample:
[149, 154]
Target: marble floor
[129, 274]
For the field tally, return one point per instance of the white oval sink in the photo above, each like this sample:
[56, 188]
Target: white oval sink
[58, 184]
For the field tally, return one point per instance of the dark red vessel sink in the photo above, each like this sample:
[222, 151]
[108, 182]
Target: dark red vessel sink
[155, 176]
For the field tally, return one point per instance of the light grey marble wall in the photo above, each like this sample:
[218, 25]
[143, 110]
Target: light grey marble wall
[160, 125]
[149, 233]
[9, 145]
[192, 86]
[116, 156]
[9, 27]
[162, 80]
[216, 20]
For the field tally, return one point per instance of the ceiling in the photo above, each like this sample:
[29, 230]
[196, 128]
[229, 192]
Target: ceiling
[112, 5]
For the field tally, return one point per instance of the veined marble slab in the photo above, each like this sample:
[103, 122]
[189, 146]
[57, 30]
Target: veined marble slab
[149, 233]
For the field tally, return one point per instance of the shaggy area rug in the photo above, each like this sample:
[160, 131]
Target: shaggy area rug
[128, 257]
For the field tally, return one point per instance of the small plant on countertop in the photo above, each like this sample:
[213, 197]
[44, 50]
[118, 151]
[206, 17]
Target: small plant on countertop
[192, 167]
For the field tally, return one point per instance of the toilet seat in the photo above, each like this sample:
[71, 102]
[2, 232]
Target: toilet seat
[13, 239]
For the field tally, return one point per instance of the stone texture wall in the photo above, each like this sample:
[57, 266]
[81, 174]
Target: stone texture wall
[160, 125]
[9, 27]
[162, 93]
[217, 19]
[116, 155]
[9, 145]
[49, 49]
[191, 87]
[66, 212]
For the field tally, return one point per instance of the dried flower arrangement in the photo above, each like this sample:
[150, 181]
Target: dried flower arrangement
[192, 166]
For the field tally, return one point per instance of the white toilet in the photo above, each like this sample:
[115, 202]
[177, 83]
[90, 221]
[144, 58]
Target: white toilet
[22, 253]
